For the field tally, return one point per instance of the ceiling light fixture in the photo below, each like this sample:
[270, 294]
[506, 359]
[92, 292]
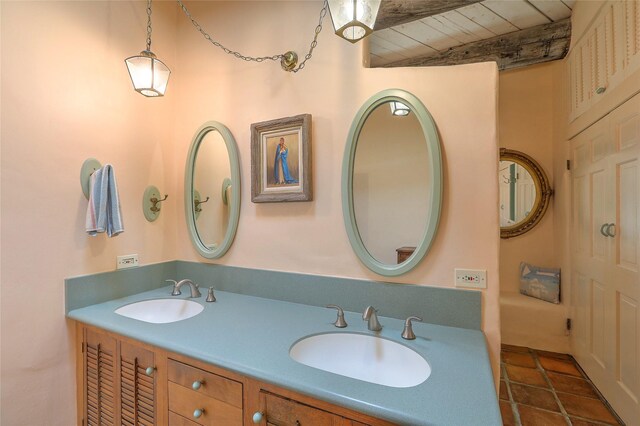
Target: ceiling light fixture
[399, 109]
[149, 75]
[353, 19]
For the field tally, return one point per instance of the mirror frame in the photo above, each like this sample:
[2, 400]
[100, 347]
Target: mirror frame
[543, 193]
[435, 169]
[234, 212]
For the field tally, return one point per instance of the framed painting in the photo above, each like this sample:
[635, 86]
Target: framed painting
[281, 160]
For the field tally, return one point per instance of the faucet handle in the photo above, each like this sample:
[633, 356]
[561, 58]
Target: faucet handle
[176, 290]
[407, 333]
[340, 322]
[210, 296]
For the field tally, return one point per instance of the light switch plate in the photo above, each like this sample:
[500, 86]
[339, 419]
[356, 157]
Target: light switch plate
[471, 278]
[127, 261]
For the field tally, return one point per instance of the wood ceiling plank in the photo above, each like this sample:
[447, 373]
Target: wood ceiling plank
[479, 14]
[553, 9]
[406, 44]
[569, 3]
[385, 49]
[445, 27]
[396, 12]
[518, 12]
[467, 25]
[426, 35]
[538, 44]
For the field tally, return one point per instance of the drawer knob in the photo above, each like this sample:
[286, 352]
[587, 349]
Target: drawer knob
[257, 417]
[149, 371]
[197, 384]
[198, 413]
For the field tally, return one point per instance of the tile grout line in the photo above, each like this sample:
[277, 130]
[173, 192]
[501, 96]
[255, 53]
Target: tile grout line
[553, 389]
[512, 404]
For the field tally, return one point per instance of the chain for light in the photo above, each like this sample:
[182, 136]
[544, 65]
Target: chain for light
[239, 55]
[314, 43]
[149, 25]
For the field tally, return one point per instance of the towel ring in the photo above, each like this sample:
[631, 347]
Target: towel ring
[89, 166]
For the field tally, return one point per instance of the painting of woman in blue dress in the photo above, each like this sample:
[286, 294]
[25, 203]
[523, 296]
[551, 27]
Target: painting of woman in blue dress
[281, 167]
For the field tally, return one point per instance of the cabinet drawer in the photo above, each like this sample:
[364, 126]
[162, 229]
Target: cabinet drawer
[184, 401]
[178, 420]
[214, 386]
[285, 412]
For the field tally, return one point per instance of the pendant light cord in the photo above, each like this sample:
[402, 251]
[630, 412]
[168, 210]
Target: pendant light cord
[148, 25]
[314, 43]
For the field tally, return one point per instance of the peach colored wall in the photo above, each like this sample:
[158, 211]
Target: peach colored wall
[531, 120]
[462, 100]
[66, 96]
[526, 124]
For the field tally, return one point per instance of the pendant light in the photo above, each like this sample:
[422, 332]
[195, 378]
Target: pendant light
[149, 75]
[353, 19]
[399, 109]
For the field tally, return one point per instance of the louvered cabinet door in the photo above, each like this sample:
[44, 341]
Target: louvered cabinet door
[99, 379]
[137, 386]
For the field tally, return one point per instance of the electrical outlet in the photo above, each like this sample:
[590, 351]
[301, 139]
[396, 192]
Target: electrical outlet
[127, 261]
[471, 278]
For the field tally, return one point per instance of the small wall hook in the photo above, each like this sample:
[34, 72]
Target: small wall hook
[155, 201]
[197, 203]
[151, 203]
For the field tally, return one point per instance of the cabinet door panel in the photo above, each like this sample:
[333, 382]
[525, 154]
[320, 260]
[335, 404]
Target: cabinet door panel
[99, 381]
[137, 389]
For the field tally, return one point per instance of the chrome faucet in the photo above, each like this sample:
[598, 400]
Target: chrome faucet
[195, 292]
[371, 316]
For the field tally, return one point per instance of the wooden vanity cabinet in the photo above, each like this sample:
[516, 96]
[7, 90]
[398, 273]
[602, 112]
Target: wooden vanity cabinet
[124, 382]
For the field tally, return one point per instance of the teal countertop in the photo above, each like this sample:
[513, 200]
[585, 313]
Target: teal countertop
[252, 336]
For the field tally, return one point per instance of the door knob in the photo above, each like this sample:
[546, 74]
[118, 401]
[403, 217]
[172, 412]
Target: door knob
[611, 230]
[603, 229]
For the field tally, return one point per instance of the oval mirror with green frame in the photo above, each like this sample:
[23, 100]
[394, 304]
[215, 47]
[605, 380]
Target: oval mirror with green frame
[392, 182]
[212, 189]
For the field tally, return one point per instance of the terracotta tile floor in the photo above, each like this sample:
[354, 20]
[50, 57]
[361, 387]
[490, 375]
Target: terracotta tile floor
[539, 388]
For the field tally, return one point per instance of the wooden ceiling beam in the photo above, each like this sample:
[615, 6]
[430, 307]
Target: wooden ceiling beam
[543, 43]
[396, 12]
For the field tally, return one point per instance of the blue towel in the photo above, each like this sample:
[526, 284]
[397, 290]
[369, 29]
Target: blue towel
[103, 213]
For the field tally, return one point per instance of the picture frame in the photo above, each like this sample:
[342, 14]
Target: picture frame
[281, 160]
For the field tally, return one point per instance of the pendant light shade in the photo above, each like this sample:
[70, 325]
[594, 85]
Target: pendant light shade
[149, 75]
[398, 108]
[353, 19]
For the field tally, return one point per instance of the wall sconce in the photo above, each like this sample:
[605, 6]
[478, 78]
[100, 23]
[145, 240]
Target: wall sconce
[149, 75]
[399, 109]
[353, 19]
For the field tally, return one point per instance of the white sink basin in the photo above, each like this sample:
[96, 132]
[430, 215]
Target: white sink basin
[161, 311]
[363, 357]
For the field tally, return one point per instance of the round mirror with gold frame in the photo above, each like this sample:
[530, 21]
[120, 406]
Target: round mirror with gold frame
[524, 193]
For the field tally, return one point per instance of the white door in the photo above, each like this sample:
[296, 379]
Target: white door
[606, 256]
